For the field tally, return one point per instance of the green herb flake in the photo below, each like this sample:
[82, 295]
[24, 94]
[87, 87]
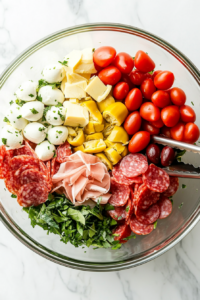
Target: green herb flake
[41, 128]
[11, 102]
[192, 103]
[39, 98]
[6, 119]
[13, 196]
[127, 209]
[4, 141]
[155, 224]
[31, 95]
[64, 63]
[183, 186]
[180, 206]
[179, 154]
[34, 111]
[48, 147]
[93, 49]
[19, 117]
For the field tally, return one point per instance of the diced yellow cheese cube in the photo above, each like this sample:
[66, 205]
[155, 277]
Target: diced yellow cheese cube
[73, 78]
[75, 90]
[85, 68]
[73, 59]
[87, 55]
[97, 89]
[86, 75]
[76, 115]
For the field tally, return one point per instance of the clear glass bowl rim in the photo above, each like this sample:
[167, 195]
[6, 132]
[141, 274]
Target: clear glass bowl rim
[67, 261]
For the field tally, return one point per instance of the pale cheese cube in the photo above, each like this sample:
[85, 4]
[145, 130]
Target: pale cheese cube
[75, 90]
[76, 115]
[73, 58]
[97, 89]
[73, 78]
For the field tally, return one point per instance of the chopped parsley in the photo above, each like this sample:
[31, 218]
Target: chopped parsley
[11, 102]
[19, 117]
[180, 206]
[59, 131]
[34, 111]
[127, 208]
[192, 103]
[13, 196]
[10, 132]
[179, 154]
[20, 102]
[39, 98]
[55, 118]
[31, 95]
[31, 67]
[6, 119]
[64, 63]
[48, 147]
[155, 224]
[61, 116]
[54, 151]
[43, 82]
[46, 110]
[41, 128]
[4, 141]
[183, 186]
[59, 104]
[93, 49]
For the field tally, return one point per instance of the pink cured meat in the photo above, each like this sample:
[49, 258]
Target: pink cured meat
[33, 175]
[156, 179]
[120, 193]
[119, 177]
[21, 160]
[139, 228]
[173, 187]
[25, 150]
[145, 197]
[148, 216]
[32, 193]
[45, 171]
[165, 207]
[118, 213]
[2, 155]
[121, 232]
[63, 152]
[55, 165]
[134, 165]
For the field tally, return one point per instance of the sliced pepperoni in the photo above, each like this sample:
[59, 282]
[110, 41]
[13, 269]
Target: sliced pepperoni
[156, 179]
[2, 155]
[11, 182]
[120, 193]
[48, 165]
[165, 207]
[139, 228]
[45, 171]
[145, 197]
[33, 193]
[25, 150]
[21, 160]
[137, 179]
[129, 210]
[148, 216]
[63, 152]
[122, 232]
[173, 187]
[55, 165]
[134, 165]
[6, 163]
[33, 175]
[121, 178]
[118, 213]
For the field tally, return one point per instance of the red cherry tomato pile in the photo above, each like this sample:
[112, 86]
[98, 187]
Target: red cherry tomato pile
[155, 107]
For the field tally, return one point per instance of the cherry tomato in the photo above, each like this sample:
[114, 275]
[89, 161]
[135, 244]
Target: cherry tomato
[157, 124]
[178, 96]
[187, 114]
[153, 153]
[126, 78]
[150, 128]
[110, 75]
[137, 77]
[139, 141]
[103, 56]
[124, 62]
[155, 73]
[164, 80]
[165, 131]
[167, 156]
[143, 62]
[191, 133]
[170, 115]
[149, 112]
[177, 132]
[133, 99]
[147, 88]
[121, 90]
[161, 99]
[97, 68]
[132, 123]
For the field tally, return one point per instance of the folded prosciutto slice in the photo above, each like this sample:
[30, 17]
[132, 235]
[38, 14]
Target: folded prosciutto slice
[83, 177]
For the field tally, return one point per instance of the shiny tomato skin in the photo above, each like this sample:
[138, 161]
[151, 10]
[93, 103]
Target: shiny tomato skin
[110, 75]
[137, 77]
[143, 62]
[165, 131]
[149, 112]
[121, 90]
[139, 141]
[164, 80]
[177, 132]
[133, 123]
[155, 73]
[104, 56]
[147, 88]
[97, 68]
[187, 114]
[134, 99]
[161, 99]
[178, 96]
[146, 126]
[191, 133]
[157, 124]
[170, 115]
[126, 78]
[124, 62]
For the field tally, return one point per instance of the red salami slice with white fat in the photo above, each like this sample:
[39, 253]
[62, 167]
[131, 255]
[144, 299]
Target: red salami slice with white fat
[165, 207]
[121, 178]
[33, 175]
[25, 150]
[145, 197]
[122, 232]
[148, 216]
[173, 187]
[11, 182]
[119, 213]
[139, 228]
[134, 165]
[55, 165]
[6, 163]
[156, 179]
[2, 155]
[120, 193]
[22, 160]
[32, 193]
[63, 152]
[129, 210]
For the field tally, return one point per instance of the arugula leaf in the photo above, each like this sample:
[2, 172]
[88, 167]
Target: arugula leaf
[179, 154]
[109, 207]
[76, 215]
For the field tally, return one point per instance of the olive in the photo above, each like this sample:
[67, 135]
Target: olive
[167, 156]
[153, 153]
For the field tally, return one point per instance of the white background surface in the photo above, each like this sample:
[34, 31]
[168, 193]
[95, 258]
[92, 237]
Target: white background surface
[25, 275]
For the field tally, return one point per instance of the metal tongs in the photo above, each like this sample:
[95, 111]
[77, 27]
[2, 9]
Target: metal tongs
[185, 170]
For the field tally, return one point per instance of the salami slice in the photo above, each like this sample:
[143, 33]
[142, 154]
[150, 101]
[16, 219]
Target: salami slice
[32, 193]
[121, 178]
[129, 210]
[156, 179]
[48, 165]
[118, 213]
[137, 179]
[21, 160]
[6, 163]
[122, 232]
[173, 187]
[165, 207]
[148, 216]
[2, 155]
[55, 165]
[134, 165]
[25, 150]
[11, 182]
[33, 175]
[145, 197]
[63, 152]
[139, 228]
[120, 193]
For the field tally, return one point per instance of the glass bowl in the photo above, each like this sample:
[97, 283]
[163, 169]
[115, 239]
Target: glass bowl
[170, 231]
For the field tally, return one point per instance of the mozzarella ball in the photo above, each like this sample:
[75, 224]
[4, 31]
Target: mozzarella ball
[53, 73]
[27, 91]
[14, 117]
[11, 137]
[45, 150]
[32, 111]
[35, 132]
[56, 115]
[51, 96]
[57, 135]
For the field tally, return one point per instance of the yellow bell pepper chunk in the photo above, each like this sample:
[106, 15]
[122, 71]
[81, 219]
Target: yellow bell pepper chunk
[98, 127]
[95, 115]
[79, 148]
[94, 146]
[78, 140]
[112, 155]
[105, 103]
[94, 136]
[115, 113]
[107, 129]
[117, 146]
[89, 128]
[125, 152]
[104, 160]
[118, 135]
